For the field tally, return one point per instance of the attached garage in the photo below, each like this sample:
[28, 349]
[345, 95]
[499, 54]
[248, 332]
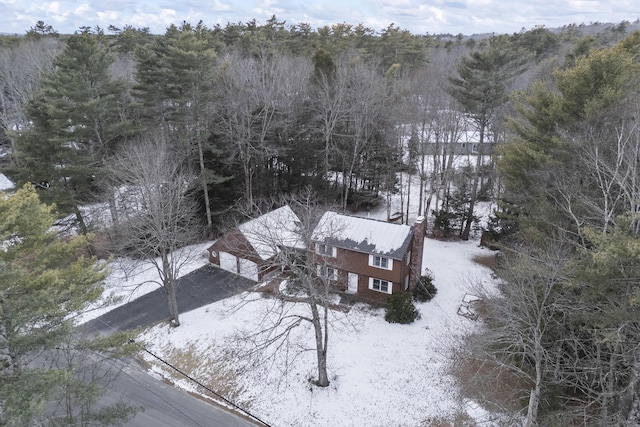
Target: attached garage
[228, 262]
[243, 267]
[248, 269]
[248, 249]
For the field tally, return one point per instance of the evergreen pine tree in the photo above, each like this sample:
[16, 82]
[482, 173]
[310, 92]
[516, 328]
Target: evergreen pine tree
[78, 118]
[481, 88]
[44, 279]
[175, 84]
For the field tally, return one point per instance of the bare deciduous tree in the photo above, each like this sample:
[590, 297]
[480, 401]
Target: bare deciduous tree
[308, 291]
[612, 160]
[365, 98]
[21, 70]
[258, 96]
[158, 215]
[328, 107]
[525, 316]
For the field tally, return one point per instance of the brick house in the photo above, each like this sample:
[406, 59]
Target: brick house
[250, 248]
[369, 258]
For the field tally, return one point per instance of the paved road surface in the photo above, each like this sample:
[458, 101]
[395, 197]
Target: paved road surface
[166, 406]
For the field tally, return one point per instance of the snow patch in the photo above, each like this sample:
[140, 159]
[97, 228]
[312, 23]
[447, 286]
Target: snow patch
[379, 236]
[381, 374]
[5, 183]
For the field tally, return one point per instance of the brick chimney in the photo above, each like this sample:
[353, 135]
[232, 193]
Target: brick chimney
[419, 231]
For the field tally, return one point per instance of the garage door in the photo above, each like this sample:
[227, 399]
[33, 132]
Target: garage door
[248, 269]
[228, 262]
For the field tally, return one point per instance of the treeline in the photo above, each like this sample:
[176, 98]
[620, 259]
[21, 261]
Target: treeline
[565, 326]
[255, 111]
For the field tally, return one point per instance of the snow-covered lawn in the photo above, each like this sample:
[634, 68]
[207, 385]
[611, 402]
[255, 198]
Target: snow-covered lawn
[381, 374]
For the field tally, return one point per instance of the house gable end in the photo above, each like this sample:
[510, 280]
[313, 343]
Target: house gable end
[234, 242]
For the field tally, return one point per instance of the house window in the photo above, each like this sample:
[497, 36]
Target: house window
[327, 250]
[379, 285]
[380, 262]
[214, 254]
[408, 257]
[327, 273]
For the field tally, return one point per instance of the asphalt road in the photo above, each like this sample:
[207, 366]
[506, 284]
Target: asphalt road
[200, 287]
[164, 405]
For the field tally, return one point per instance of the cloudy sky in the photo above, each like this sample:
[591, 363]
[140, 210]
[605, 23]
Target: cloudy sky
[418, 16]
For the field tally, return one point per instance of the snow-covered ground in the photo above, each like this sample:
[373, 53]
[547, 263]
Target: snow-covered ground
[381, 374]
[5, 183]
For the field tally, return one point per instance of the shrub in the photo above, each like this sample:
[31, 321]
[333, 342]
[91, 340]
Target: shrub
[443, 222]
[400, 309]
[424, 290]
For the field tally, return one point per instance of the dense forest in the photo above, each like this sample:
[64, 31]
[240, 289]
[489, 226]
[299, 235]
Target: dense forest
[249, 112]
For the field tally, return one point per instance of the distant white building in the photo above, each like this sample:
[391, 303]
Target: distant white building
[458, 136]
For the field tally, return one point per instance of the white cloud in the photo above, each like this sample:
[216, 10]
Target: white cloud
[582, 6]
[419, 16]
[156, 21]
[108, 16]
[220, 7]
[82, 9]
[52, 7]
[438, 14]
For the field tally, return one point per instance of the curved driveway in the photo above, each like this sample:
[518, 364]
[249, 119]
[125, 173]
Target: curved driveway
[165, 406]
[203, 286]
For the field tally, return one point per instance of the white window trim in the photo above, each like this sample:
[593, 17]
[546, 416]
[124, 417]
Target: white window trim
[334, 250]
[389, 262]
[323, 272]
[389, 285]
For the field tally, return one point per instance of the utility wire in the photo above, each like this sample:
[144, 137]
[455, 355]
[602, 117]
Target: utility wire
[249, 414]
[120, 366]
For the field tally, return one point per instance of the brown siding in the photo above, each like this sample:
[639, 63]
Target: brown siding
[236, 244]
[358, 262]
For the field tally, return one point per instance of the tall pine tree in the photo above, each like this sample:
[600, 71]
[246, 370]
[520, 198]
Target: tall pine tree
[481, 88]
[78, 119]
[43, 279]
[175, 84]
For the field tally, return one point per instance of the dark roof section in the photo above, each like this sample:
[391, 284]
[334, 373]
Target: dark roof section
[364, 235]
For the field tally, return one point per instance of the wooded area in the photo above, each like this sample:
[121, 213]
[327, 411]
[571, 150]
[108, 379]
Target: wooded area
[251, 112]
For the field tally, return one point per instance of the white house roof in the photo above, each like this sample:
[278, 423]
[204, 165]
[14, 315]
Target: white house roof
[271, 231]
[363, 234]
